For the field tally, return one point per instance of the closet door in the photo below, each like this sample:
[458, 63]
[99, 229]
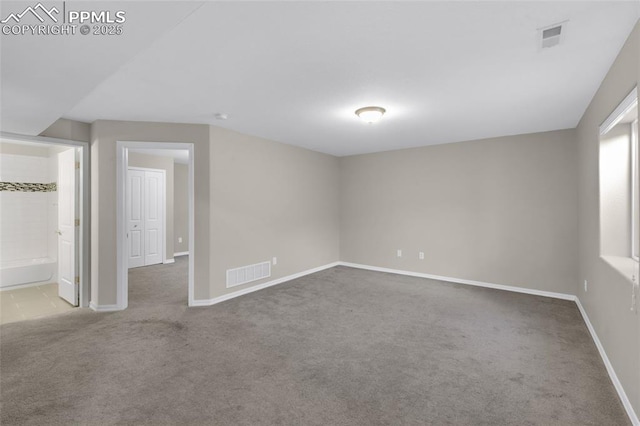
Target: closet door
[135, 217]
[145, 216]
[154, 206]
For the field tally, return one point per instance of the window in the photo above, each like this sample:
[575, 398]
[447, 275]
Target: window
[635, 193]
[620, 184]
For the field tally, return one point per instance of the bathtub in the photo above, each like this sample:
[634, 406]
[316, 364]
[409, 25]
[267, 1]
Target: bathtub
[29, 271]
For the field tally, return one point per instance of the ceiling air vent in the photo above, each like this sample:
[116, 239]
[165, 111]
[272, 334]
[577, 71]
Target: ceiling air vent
[552, 36]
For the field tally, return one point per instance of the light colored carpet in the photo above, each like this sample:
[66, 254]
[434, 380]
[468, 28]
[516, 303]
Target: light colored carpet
[340, 347]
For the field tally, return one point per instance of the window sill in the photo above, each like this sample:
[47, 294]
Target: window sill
[625, 266]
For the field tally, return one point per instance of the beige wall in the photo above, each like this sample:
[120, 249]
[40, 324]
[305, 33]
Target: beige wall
[17, 149]
[501, 211]
[180, 207]
[608, 298]
[137, 159]
[269, 199]
[104, 135]
[69, 129]
[255, 199]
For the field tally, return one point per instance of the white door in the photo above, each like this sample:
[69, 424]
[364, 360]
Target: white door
[67, 265]
[153, 214]
[145, 216]
[135, 218]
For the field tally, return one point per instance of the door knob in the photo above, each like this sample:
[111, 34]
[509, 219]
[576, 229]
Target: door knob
[58, 232]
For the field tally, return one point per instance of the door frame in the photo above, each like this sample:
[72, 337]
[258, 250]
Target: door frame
[122, 162]
[83, 249]
[164, 210]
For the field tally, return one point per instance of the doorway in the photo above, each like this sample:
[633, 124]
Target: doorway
[149, 241]
[44, 194]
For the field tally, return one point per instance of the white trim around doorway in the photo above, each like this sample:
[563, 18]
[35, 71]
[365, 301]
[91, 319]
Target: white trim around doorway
[122, 160]
[84, 189]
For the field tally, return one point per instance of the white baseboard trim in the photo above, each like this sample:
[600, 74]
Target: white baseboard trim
[463, 281]
[612, 374]
[182, 253]
[168, 261]
[104, 308]
[209, 302]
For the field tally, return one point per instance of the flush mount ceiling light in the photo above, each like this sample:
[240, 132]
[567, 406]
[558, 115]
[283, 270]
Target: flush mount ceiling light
[370, 114]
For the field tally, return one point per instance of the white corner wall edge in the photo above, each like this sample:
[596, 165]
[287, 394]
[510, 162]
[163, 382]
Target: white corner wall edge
[104, 308]
[612, 374]
[463, 281]
[209, 302]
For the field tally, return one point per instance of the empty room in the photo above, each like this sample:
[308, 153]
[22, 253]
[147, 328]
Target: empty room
[319, 213]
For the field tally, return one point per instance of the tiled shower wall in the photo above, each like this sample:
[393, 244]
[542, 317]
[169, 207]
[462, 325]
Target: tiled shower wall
[28, 220]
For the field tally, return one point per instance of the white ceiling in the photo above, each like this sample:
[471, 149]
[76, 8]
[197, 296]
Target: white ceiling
[295, 72]
[43, 77]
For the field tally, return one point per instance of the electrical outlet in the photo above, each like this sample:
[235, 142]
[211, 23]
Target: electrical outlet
[421, 255]
[586, 286]
[399, 253]
[274, 261]
[179, 239]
